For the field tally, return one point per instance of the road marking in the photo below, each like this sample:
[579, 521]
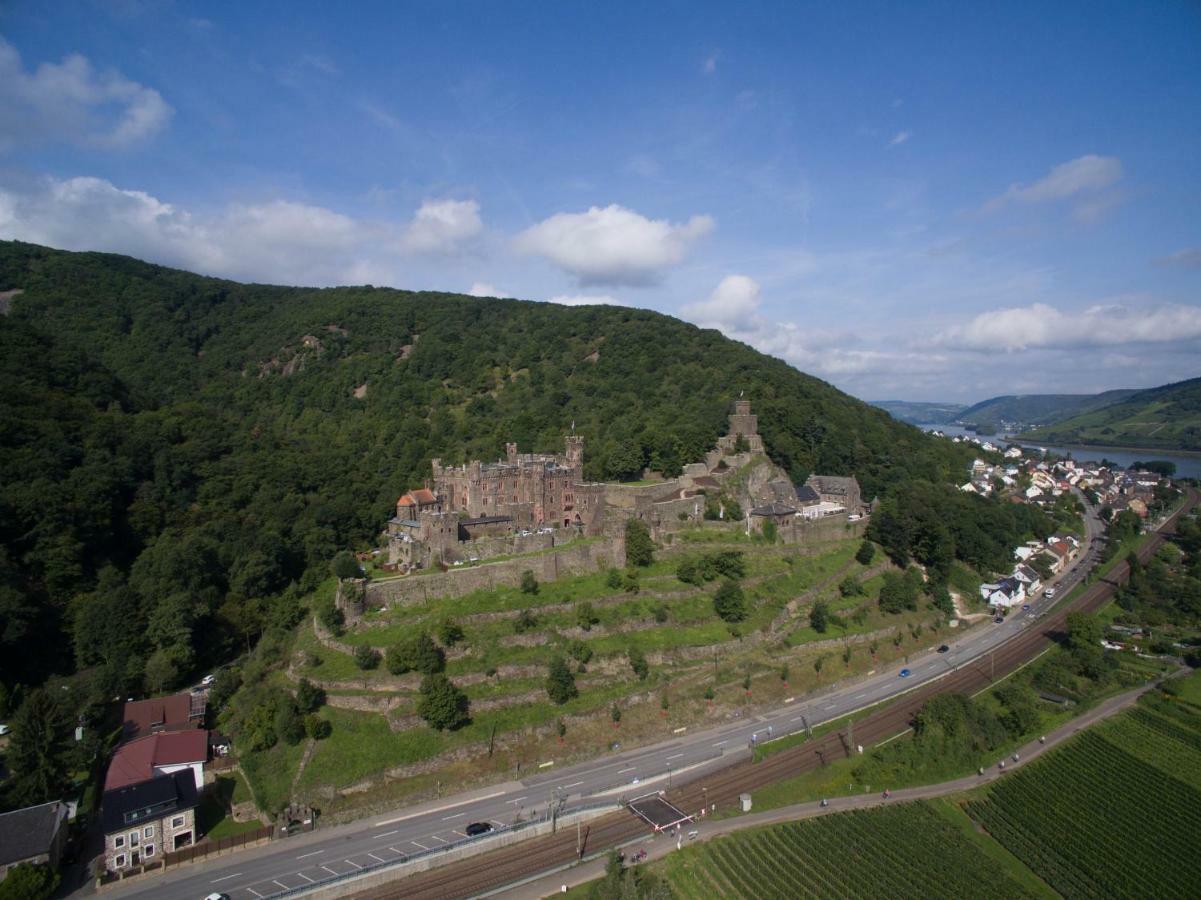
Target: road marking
[256, 893]
[378, 858]
[353, 863]
[861, 696]
[314, 853]
[675, 756]
[306, 877]
[518, 800]
[831, 706]
[455, 816]
[719, 743]
[281, 884]
[224, 877]
[573, 784]
[427, 812]
[331, 871]
[799, 719]
[623, 771]
[436, 838]
[386, 833]
[545, 764]
[397, 852]
[459, 833]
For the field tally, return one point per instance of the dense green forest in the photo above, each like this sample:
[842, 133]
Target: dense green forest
[1036, 409]
[182, 456]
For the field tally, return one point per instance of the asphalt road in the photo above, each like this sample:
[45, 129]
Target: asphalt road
[306, 860]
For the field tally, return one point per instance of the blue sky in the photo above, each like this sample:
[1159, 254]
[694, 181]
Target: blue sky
[915, 201]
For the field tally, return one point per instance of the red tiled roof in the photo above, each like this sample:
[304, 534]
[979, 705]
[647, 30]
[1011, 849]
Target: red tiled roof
[1061, 548]
[419, 497]
[135, 762]
[160, 714]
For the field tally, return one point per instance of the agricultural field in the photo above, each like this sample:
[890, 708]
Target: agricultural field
[908, 850]
[1116, 812]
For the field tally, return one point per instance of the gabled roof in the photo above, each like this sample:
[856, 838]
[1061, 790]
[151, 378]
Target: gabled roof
[419, 497]
[137, 760]
[162, 714]
[147, 801]
[774, 509]
[29, 832]
[806, 494]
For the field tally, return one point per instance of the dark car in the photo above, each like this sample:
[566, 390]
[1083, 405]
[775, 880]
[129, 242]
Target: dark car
[477, 828]
[943, 649]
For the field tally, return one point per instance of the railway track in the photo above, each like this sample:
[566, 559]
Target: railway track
[498, 868]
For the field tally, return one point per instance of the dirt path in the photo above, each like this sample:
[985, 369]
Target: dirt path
[660, 846]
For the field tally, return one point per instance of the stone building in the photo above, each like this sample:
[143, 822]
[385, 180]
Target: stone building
[145, 820]
[842, 490]
[35, 835]
[745, 425]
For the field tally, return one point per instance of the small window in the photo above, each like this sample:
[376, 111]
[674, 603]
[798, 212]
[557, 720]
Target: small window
[119, 841]
[149, 850]
[177, 822]
[148, 831]
[133, 839]
[119, 861]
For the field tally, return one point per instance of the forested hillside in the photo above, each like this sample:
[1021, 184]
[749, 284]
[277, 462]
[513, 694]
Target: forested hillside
[1036, 409]
[1162, 418]
[182, 456]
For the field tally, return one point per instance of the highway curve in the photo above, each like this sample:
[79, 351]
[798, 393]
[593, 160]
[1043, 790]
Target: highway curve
[498, 868]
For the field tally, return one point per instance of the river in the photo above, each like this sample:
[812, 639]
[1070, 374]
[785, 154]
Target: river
[1187, 466]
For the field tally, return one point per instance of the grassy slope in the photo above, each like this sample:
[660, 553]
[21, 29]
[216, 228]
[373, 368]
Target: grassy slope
[1163, 418]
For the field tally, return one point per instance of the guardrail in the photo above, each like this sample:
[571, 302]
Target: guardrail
[426, 854]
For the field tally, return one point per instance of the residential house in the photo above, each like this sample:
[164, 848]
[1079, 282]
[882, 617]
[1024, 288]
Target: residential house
[779, 513]
[144, 820]
[1060, 553]
[177, 712]
[1029, 578]
[159, 754]
[1003, 594]
[35, 835]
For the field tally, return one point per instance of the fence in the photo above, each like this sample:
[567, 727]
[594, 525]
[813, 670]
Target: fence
[210, 846]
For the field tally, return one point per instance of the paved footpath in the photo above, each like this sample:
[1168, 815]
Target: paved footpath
[659, 846]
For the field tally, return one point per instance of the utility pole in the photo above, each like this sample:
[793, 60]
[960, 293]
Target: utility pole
[851, 732]
[579, 841]
[808, 727]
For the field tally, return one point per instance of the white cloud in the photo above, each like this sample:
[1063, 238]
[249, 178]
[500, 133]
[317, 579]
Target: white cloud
[612, 245]
[899, 138]
[73, 102]
[442, 226]
[483, 289]
[1044, 326]
[733, 304]
[1085, 175]
[1188, 259]
[586, 300]
[281, 241]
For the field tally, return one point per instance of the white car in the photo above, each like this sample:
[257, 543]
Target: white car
[4, 729]
[207, 680]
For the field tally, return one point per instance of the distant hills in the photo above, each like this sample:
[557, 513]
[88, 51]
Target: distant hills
[1036, 409]
[1162, 418]
[917, 413]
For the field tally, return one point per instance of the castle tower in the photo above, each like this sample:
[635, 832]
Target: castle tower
[511, 453]
[742, 422]
[575, 452]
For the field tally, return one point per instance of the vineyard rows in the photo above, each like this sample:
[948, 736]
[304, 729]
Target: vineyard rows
[899, 851]
[1159, 743]
[1093, 820]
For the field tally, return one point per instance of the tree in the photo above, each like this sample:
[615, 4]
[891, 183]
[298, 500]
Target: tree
[450, 632]
[525, 621]
[638, 663]
[529, 584]
[640, 549]
[819, 617]
[331, 617]
[289, 724]
[38, 749]
[366, 658]
[818, 665]
[579, 650]
[560, 683]
[900, 591]
[29, 882]
[729, 602]
[615, 714]
[613, 578]
[850, 587]
[442, 704]
[416, 653]
[560, 728]
[346, 566]
[770, 531]
[784, 673]
[309, 697]
[162, 671]
[659, 611]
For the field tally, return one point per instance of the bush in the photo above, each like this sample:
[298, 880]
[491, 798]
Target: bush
[529, 584]
[525, 621]
[630, 582]
[560, 683]
[660, 612]
[613, 579]
[850, 587]
[288, 723]
[29, 882]
[366, 658]
[316, 727]
[416, 653]
[819, 617]
[331, 617]
[228, 681]
[585, 615]
[441, 704]
[638, 663]
[450, 632]
[579, 651]
[729, 602]
[866, 553]
[900, 591]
